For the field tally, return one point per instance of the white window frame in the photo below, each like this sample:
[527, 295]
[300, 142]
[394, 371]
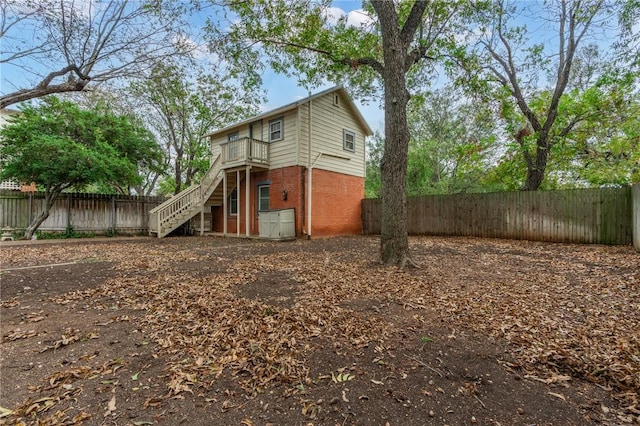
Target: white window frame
[345, 134]
[279, 120]
[233, 202]
[260, 198]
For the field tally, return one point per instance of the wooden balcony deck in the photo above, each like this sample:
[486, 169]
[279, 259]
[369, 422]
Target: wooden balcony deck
[245, 152]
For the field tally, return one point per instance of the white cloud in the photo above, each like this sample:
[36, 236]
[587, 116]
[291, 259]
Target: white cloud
[334, 14]
[360, 19]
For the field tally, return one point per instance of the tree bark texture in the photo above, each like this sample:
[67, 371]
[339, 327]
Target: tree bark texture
[394, 242]
[49, 200]
[537, 166]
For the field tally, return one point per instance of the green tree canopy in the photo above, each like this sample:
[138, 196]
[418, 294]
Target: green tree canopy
[183, 103]
[58, 146]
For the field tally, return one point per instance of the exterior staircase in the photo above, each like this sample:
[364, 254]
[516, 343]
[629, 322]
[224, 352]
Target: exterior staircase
[177, 210]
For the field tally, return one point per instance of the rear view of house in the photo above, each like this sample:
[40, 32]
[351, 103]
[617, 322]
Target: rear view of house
[297, 170]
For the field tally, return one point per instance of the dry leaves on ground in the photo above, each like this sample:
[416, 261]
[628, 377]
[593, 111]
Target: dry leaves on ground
[571, 313]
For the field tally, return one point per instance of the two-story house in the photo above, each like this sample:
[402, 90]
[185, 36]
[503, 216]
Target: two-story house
[304, 161]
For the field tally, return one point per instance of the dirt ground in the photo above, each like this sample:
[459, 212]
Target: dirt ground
[220, 331]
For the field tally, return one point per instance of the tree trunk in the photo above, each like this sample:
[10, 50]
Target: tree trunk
[178, 172]
[394, 241]
[536, 168]
[49, 200]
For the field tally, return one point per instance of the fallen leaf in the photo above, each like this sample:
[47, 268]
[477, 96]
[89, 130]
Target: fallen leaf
[558, 395]
[111, 406]
[4, 412]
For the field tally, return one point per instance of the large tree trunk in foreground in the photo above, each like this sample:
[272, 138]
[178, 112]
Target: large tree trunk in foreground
[394, 241]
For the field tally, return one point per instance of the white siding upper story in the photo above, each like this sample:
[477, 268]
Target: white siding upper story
[338, 133]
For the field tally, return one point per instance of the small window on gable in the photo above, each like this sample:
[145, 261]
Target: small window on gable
[348, 141]
[276, 129]
[336, 99]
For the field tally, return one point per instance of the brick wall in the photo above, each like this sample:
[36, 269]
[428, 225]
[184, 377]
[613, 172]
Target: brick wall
[290, 179]
[336, 204]
[336, 201]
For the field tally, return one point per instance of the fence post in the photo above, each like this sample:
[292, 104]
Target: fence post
[635, 215]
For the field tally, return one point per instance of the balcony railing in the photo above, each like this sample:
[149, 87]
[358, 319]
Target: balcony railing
[244, 151]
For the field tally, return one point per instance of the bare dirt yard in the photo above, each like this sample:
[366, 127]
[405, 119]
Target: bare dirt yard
[215, 331]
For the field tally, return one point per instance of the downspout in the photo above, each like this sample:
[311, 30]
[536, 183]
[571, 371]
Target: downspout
[298, 136]
[309, 173]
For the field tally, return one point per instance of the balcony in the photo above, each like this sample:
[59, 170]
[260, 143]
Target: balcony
[245, 152]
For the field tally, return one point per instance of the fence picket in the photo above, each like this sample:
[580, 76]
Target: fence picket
[594, 215]
[98, 213]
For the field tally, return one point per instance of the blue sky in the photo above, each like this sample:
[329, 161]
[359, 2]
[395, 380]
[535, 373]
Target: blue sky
[280, 89]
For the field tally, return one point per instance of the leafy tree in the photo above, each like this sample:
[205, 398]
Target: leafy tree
[117, 102]
[58, 146]
[183, 104]
[451, 148]
[451, 144]
[526, 79]
[391, 50]
[372, 182]
[603, 146]
[66, 45]
[598, 154]
[629, 43]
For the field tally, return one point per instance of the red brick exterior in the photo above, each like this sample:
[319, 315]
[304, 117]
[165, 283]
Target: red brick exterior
[336, 204]
[336, 201]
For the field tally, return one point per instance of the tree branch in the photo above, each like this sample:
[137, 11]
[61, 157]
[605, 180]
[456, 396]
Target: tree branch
[352, 62]
[413, 21]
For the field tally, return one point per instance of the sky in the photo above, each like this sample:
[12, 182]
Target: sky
[280, 90]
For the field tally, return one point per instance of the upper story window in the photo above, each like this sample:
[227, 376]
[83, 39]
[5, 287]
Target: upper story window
[233, 136]
[276, 129]
[348, 140]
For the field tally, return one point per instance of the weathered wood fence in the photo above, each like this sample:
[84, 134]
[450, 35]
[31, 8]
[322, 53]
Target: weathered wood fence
[601, 216]
[98, 213]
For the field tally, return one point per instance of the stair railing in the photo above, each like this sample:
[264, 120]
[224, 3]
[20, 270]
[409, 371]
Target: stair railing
[185, 200]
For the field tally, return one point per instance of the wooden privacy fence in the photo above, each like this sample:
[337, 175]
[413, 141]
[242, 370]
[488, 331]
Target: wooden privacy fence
[601, 215]
[98, 213]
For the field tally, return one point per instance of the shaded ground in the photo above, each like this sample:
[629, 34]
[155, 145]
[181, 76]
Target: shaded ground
[204, 331]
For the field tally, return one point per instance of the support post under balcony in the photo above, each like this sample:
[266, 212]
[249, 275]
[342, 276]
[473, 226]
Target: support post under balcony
[247, 188]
